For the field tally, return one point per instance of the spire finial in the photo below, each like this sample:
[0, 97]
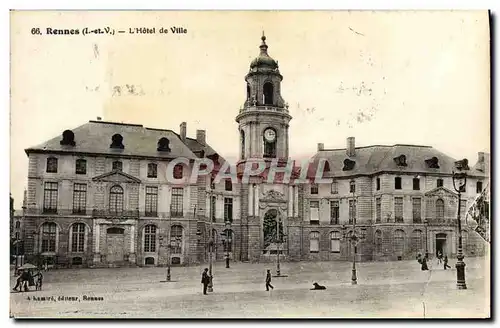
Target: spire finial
[263, 45]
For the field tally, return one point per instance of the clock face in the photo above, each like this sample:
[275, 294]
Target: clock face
[270, 135]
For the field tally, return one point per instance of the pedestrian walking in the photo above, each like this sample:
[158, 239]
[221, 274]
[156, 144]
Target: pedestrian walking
[268, 280]
[205, 280]
[445, 263]
[424, 263]
[440, 257]
[38, 280]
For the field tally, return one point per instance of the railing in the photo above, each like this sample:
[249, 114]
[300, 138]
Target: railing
[264, 108]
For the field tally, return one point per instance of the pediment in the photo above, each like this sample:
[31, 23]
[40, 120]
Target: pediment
[116, 176]
[441, 192]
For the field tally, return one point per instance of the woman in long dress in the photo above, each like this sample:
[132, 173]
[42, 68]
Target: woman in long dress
[424, 263]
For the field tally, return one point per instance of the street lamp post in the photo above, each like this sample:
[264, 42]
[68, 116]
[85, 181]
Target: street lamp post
[459, 183]
[426, 223]
[210, 242]
[354, 238]
[227, 241]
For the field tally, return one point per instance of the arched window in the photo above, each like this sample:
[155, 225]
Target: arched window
[152, 170]
[268, 93]
[150, 239]
[242, 141]
[248, 91]
[178, 171]
[18, 224]
[399, 242]
[78, 238]
[117, 166]
[440, 209]
[378, 241]
[417, 241]
[176, 239]
[314, 242]
[81, 166]
[149, 261]
[49, 237]
[51, 165]
[335, 242]
[116, 199]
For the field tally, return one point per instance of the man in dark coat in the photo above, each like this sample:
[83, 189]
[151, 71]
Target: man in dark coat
[424, 263]
[268, 280]
[445, 262]
[205, 280]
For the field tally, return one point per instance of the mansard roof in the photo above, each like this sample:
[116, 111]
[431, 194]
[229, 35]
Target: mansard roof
[378, 158]
[95, 138]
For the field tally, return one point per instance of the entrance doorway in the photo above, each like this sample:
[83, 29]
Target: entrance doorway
[441, 243]
[271, 235]
[114, 245]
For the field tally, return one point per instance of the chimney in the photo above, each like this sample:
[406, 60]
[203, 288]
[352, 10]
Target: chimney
[351, 147]
[99, 118]
[480, 161]
[201, 137]
[321, 146]
[183, 131]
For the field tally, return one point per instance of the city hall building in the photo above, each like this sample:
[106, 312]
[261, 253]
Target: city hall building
[98, 195]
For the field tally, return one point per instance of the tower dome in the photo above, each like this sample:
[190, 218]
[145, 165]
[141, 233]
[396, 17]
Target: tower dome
[264, 60]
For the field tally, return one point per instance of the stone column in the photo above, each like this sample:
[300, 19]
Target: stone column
[96, 235]
[132, 256]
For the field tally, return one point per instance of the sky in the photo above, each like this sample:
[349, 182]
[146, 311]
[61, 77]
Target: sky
[407, 77]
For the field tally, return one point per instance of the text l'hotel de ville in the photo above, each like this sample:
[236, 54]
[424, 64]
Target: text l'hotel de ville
[109, 30]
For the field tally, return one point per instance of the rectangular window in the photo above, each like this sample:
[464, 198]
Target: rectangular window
[479, 187]
[117, 166]
[378, 183]
[335, 187]
[79, 198]
[335, 242]
[417, 210]
[352, 187]
[177, 202]
[439, 183]
[228, 209]
[398, 209]
[314, 212]
[228, 185]
[151, 201]
[334, 212]
[352, 210]
[152, 170]
[416, 184]
[397, 183]
[50, 197]
[81, 166]
[314, 242]
[314, 189]
[378, 210]
[51, 165]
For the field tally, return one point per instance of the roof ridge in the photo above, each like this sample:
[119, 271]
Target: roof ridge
[116, 123]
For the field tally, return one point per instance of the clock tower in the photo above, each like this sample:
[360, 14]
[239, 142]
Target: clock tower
[263, 120]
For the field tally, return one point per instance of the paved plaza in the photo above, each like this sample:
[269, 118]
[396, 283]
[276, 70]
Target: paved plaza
[385, 289]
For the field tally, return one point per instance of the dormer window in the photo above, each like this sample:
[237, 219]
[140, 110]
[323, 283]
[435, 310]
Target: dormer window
[68, 138]
[117, 166]
[51, 165]
[163, 144]
[117, 142]
[400, 160]
[152, 170]
[348, 165]
[432, 163]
